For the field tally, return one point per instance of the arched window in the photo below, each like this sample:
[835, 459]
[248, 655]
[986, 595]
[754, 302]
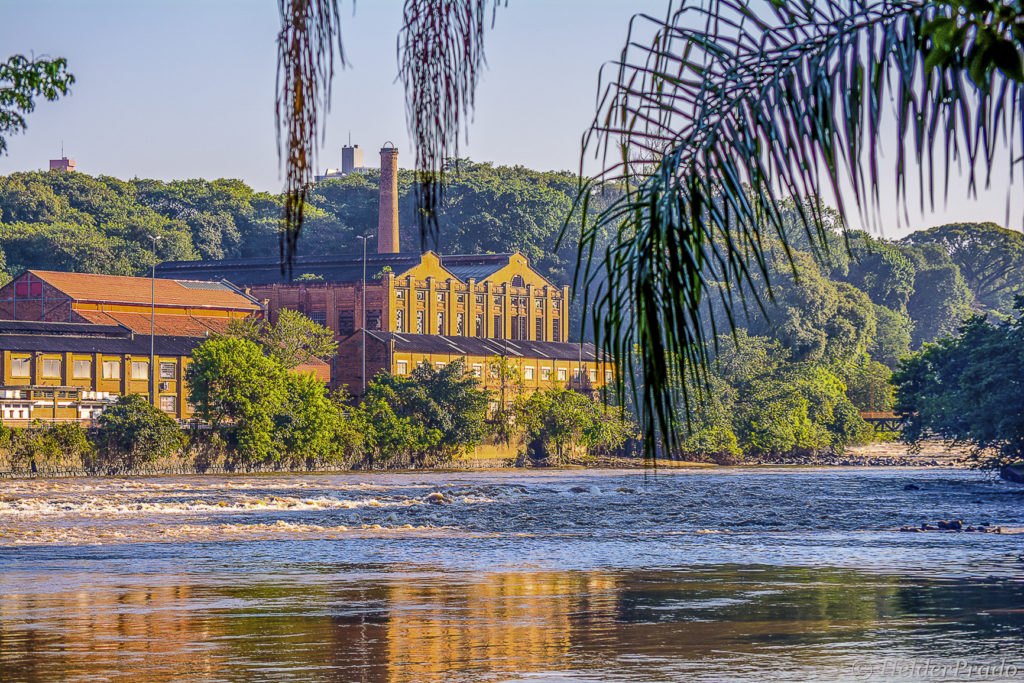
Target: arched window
[518, 281]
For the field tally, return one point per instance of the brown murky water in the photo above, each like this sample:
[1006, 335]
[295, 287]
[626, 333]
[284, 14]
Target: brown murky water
[487, 576]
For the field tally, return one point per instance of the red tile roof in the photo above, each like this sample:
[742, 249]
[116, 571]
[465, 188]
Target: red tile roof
[178, 325]
[137, 290]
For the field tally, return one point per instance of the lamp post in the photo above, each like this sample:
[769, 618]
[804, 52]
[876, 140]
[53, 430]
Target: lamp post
[152, 325]
[363, 316]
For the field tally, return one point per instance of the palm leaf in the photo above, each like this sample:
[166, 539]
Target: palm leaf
[734, 107]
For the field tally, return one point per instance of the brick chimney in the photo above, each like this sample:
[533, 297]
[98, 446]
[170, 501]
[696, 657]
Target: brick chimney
[387, 214]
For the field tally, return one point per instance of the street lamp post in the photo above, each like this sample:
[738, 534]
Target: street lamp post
[363, 316]
[152, 325]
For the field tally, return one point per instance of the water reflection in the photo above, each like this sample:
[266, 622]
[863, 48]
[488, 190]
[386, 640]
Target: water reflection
[383, 624]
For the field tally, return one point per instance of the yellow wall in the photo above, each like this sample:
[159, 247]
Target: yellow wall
[67, 390]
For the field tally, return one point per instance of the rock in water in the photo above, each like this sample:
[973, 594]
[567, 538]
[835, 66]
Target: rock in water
[1013, 472]
[911, 487]
[436, 498]
[951, 524]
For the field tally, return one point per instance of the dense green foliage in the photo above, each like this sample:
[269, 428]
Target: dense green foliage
[760, 400]
[969, 388]
[134, 432]
[556, 419]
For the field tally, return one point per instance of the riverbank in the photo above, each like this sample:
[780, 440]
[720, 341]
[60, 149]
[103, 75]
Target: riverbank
[930, 455]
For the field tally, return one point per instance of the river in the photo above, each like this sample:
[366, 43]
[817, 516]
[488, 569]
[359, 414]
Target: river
[678, 575]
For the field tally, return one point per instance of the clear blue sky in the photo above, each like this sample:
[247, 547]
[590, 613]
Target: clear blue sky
[186, 89]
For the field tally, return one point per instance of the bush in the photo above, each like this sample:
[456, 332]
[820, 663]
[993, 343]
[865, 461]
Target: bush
[133, 432]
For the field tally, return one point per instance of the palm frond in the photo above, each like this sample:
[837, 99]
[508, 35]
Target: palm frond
[310, 33]
[733, 107]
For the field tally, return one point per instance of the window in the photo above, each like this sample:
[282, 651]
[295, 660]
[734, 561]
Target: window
[51, 367]
[420, 295]
[558, 305]
[169, 404]
[319, 317]
[402, 367]
[346, 323]
[462, 298]
[82, 369]
[399, 293]
[480, 325]
[440, 297]
[524, 328]
[140, 369]
[556, 330]
[545, 374]
[497, 301]
[440, 322]
[517, 281]
[21, 367]
[528, 372]
[478, 370]
[460, 324]
[515, 327]
[399, 320]
[419, 322]
[593, 375]
[168, 370]
[498, 334]
[561, 374]
[480, 299]
[607, 376]
[373, 320]
[540, 329]
[111, 369]
[439, 365]
[420, 363]
[540, 303]
[576, 374]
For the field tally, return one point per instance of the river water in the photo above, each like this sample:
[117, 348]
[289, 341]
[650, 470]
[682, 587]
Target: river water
[695, 575]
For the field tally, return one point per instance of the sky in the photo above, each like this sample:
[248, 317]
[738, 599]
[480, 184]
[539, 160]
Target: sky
[185, 88]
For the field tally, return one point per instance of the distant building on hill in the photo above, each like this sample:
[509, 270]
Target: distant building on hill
[351, 162]
[62, 164]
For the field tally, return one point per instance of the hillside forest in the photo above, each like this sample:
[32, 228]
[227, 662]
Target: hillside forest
[794, 378]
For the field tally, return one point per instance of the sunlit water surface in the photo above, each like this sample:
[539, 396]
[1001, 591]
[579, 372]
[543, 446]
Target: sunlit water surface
[702, 575]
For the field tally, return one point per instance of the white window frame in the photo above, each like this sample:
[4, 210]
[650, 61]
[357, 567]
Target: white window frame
[111, 369]
[402, 367]
[561, 374]
[21, 362]
[545, 374]
[136, 364]
[48, 373]
[528, 372]
[478, 370]
[76, 364]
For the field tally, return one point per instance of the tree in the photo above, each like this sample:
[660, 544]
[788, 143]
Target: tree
[446, 406]
[990, 259]
[134, 432]
[292, 341]
[941, 301]
[22, 80]
[892, 337]
[557, 419]
[968, 389]
[231, 379]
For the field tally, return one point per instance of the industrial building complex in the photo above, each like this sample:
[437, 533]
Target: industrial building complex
[72, 342]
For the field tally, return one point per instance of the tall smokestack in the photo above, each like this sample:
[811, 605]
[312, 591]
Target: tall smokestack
[387, 214]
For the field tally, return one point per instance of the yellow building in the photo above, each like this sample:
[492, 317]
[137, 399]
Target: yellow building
[64, 372]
